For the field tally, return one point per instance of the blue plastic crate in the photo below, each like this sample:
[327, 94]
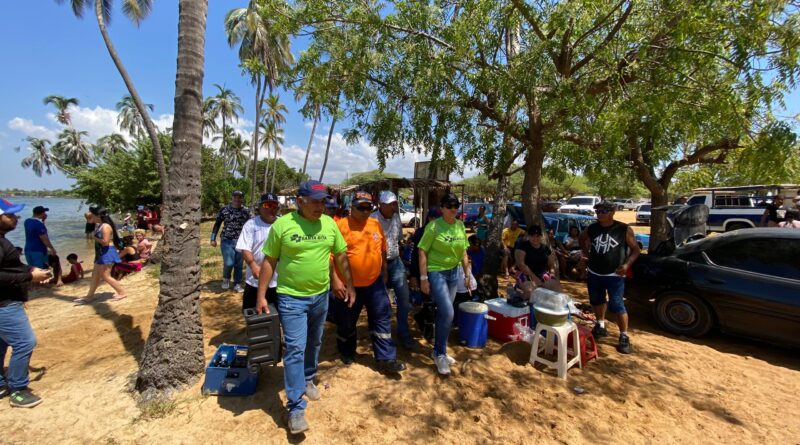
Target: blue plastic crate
[227, 373]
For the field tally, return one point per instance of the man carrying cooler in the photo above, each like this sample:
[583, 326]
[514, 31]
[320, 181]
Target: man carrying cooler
[389, 217]
[366, 253]
[610, 247]
[15, 329]
[251, 246]
[234, 215]
[300, 244]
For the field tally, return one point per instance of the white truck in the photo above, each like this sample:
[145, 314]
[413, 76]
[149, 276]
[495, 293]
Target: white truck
[583, 205]
[741, 207]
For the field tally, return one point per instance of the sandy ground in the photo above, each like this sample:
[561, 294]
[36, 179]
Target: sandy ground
[672, 390]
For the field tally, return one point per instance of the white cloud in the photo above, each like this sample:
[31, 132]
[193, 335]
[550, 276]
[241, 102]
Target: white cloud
[27, 127]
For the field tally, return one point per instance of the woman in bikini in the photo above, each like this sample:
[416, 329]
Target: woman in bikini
[106, 240]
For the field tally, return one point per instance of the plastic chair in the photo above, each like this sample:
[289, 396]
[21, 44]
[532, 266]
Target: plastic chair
[557, 339]
[588, 344]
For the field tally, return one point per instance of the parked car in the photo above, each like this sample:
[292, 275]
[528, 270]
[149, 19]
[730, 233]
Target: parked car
[625, 204]
[643, 214]
[409, 217]
[583, 205]
[733, 208]
[469, 212]
[745, 282]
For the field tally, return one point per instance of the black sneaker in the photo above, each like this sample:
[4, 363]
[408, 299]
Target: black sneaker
[391, 366]
[624, 346]
[297, 423]
[409, 344]
[3, 391]
[599, 332]
[348, 359]
[24, 398]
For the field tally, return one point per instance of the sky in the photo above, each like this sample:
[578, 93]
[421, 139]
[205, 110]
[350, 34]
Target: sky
[47, 50]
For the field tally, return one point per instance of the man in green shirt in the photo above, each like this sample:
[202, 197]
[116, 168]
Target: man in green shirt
[303, 241]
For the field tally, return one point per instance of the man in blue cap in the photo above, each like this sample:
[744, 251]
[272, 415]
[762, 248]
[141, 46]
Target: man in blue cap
[15, 329]
[300, 245]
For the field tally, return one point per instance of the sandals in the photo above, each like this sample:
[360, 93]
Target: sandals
[81, 301]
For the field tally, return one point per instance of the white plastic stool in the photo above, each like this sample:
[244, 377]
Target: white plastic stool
[558, 334]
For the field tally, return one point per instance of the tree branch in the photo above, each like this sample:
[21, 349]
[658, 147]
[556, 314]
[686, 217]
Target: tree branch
[528, 15]
[609, 37]
[700, 156]
[598, 25]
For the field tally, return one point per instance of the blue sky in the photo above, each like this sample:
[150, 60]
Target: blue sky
[46, 50]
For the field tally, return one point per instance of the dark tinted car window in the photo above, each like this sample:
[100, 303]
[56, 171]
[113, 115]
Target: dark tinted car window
[768, 256]
[697, 200]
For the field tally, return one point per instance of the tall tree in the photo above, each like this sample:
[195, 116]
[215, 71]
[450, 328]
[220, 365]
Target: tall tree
[236, 149]
[274, 116]
[110, 145]
[210, 126]
[62, 107]
[173, 354]
[136, 11]
[40, 160]
[71, 150]
[129, 118]
[334, 117]
[272, 141]
[226, 106]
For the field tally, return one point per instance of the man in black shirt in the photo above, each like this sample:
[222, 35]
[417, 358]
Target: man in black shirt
[610, 248]
[234, 215]
[15, 329]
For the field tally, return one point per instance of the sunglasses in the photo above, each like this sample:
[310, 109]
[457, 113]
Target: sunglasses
[269, 205]
[602, 211]
[366, 208]
[451, 206]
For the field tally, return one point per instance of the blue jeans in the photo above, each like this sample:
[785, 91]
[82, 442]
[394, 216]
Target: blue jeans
[598, 286]
[231, 259]
[379, 319]
[443, 292]
[303, 320]
[15, 331]
[398, 282]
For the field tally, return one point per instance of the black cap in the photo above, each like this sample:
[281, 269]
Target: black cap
[605, 205]
[237, 193]
[267, 197]
[38, 210]
[450, 198]
[535, 230]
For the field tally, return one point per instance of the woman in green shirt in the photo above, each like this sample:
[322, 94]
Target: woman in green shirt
[442, 250]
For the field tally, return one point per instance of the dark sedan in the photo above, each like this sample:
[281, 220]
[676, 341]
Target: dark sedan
[745, 282]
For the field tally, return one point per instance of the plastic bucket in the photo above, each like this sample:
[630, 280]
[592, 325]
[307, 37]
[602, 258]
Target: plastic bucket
[549, 317]
[473, 327]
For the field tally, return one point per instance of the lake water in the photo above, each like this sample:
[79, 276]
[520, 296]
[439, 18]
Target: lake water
[65, 225]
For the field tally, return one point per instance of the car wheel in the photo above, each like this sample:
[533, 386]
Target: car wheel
[683, 314]
[736, 226]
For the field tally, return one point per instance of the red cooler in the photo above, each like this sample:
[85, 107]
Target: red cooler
[505, 316]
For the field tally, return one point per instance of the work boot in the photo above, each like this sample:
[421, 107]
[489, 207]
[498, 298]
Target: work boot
[391, 366]
[312, 392]
[297, 423]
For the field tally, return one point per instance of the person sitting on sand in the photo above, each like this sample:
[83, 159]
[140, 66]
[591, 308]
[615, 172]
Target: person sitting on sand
[75, 270]
[144, 246]
[131, 262]
[106, 240]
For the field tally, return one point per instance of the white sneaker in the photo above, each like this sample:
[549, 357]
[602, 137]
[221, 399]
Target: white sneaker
[450, 360]
[225, 284]
[442, 364]
[238, 288]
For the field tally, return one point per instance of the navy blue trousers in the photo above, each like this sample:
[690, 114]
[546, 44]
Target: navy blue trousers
[379, 318]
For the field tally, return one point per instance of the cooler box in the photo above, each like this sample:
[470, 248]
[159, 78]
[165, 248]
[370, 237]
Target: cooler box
[228, 374]
[472, 326]
[263, 337]
[505, 315]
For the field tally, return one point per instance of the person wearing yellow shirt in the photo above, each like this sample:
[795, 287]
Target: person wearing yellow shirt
[509, 237]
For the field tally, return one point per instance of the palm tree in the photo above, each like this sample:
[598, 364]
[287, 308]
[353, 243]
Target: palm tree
[173, 354]
[136, 11]
[71, 150]
[311, 137]
[273, 141]
[236, 149]
[225, 104]
[265, 54]
[274, 117]
[110, 145]
[40, 160]
[129, 118]
[209, 122]
[335, 114]
[62, 104]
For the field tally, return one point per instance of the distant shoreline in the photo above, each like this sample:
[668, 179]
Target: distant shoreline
[58, 193]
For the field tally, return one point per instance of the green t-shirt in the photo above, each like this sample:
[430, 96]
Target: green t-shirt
[303, 249]
[444, 243]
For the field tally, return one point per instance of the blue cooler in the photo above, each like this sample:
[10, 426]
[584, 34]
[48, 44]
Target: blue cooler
[473, 327]
[228, 373]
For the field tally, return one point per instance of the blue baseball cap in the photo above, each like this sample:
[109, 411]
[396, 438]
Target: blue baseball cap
[267, 197]
[7, 208]
[313, 189]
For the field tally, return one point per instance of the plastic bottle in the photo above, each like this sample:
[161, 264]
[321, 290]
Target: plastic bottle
[510, 292]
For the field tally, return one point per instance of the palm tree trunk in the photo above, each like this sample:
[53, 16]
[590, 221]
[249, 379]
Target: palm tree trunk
[266, 171]
[173, 355]
[224, 137]
[151, 129]
[327, 148]
[255, 141]
[274, 170]
[311, 139]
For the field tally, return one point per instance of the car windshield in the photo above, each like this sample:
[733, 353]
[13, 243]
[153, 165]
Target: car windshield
[580, 201]
[644, 208]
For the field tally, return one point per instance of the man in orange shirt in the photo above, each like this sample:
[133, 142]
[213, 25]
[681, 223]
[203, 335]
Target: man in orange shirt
[366, 252]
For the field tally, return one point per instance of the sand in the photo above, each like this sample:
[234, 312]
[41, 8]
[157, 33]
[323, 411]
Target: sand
[718, 389]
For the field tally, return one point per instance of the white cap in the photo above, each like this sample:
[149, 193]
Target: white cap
[387, 197]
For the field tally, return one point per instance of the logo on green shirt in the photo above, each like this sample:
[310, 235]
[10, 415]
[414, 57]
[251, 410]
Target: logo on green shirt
[300, 238]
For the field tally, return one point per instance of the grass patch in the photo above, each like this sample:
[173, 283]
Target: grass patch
[157, 409]
[154, 271]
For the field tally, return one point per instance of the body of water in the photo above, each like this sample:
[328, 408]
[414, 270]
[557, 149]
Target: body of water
[65, 226]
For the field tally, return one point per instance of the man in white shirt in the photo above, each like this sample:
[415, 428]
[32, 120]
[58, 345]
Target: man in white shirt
[389, 217]
[250, 244]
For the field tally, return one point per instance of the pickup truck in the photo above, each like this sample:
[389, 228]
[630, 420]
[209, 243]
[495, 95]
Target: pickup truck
[733, 208]
[583, 205]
